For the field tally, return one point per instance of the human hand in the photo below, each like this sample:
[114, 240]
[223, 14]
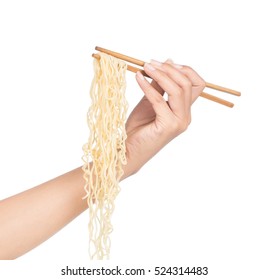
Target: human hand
[154, 122]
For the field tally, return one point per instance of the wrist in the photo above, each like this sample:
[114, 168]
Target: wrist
[128, 171]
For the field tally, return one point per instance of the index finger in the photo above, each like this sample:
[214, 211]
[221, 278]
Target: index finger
[197, 81]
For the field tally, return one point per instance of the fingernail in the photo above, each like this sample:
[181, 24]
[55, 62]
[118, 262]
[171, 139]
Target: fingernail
[178, 66]
[149, 66]
[140, 76]
[169, 60]
[156, 63]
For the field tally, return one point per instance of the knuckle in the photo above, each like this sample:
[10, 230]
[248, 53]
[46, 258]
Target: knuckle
[186, 83]
[178, 92]
[202, 83]
[187, 67]
[147, 87]
[158, 98]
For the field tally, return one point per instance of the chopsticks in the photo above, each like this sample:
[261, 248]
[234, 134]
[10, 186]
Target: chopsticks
[141, 63]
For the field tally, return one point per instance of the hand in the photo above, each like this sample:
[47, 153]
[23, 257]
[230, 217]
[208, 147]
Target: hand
[154, 122]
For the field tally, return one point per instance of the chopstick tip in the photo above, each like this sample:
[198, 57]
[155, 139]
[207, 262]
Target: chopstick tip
[96, 56]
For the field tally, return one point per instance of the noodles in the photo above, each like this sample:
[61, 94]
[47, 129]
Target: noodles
[106, 148]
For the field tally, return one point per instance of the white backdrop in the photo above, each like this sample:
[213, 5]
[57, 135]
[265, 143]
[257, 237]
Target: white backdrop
[202, 201]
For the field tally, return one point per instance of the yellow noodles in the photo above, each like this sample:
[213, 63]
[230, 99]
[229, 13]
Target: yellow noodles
[106, 148]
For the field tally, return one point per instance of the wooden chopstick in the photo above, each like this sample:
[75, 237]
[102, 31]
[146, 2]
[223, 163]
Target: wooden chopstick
[121, 56]
[203, 94]
[217, 99]
[129, 67]
[141, 63]
[224, 89]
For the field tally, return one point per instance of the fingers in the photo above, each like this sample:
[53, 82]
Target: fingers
[181, 80]
[176, 94]
[156, 85]
[182, 84]
[191, 74]
[198, 83]
[158, 102]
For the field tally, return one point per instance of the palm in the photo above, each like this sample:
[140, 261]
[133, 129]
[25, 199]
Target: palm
[154, 122]
[142, 134]
[142, 114]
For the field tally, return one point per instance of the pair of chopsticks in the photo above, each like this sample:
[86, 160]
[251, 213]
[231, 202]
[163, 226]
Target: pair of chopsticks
[141, 63]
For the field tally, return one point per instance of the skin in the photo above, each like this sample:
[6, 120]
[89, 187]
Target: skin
[152, 124]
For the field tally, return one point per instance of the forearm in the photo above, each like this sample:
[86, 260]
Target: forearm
[29, 218]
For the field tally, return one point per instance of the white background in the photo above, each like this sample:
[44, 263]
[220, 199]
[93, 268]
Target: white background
[202, 201]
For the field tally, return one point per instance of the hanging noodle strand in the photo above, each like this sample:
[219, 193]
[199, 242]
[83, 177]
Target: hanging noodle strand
[106, 149]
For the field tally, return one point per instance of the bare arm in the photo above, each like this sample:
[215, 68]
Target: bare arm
[29, 218]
